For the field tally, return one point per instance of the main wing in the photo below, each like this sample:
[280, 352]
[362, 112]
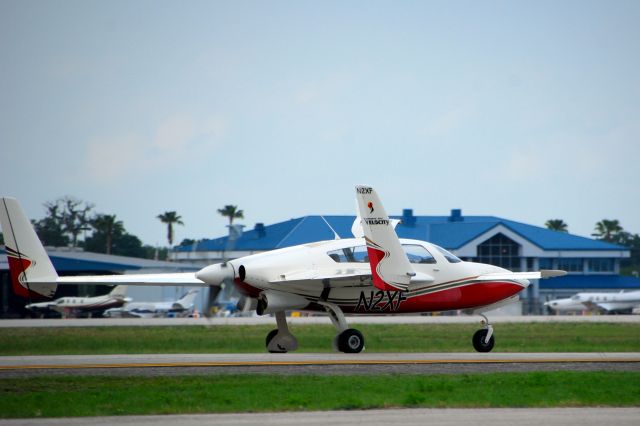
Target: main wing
[170, 279]
[542, 274]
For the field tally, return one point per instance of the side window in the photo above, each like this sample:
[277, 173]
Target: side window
[338, 256]
[350, 255]
[451, 258]
[360, 254]
[418, 254]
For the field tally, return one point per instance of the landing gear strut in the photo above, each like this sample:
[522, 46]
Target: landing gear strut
[483, 340]
[348, 340]
[281, 340]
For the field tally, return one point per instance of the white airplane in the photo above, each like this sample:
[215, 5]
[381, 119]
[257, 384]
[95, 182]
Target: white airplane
[373, 273]
[74, 306]
[607, 302]
[155, 309]
[565, 305]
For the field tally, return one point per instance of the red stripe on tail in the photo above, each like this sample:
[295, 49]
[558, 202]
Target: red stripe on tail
[375, 257]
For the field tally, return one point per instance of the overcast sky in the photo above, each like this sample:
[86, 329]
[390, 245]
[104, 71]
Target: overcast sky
[527, 110]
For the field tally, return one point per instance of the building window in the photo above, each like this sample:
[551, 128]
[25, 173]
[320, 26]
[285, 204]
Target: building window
[570, 264]
[501, 251]
[545, 263]
[600, 265]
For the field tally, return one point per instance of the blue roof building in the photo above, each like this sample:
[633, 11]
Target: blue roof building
[591, 264]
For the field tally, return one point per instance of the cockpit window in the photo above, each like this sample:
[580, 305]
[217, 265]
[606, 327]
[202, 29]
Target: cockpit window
[418, 254]
[451, 258]
[357, 254]
[415, 253]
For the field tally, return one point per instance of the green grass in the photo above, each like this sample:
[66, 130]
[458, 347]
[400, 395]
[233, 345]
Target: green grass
[101, 396]
[532, 337]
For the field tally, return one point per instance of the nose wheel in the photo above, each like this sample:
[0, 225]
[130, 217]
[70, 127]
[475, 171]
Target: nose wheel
[281, 340]
[483, 340]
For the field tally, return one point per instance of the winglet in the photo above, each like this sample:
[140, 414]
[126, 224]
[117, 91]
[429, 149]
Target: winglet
[390, 267]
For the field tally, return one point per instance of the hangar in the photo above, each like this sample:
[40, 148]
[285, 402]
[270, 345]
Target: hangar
[592, 265]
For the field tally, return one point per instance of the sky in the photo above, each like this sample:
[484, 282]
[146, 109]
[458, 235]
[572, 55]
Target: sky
[527, 110]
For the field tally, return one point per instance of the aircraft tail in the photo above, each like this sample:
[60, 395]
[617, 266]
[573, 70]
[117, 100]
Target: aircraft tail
[187, 300]
[32, 273]
[390, 267]
[119, 290]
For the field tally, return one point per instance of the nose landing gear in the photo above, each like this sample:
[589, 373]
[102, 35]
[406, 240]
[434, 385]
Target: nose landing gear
[281, 340]
[483, 340]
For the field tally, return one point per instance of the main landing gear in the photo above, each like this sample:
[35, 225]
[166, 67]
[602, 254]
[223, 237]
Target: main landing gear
[483, 340]
[348, 340]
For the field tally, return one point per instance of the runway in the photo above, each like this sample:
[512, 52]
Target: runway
[268, 320]
[313, 363]
[584, 416]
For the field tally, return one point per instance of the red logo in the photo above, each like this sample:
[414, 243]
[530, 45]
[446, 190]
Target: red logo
[370, 205]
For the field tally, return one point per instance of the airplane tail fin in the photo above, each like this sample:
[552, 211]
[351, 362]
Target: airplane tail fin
[32, 273]
[187, 300]
[119, 290]
[390, 267]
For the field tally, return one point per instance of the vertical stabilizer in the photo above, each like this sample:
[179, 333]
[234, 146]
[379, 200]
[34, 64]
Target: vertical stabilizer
[119, 291]
[32, 274]
[186, 301]
[390, 267]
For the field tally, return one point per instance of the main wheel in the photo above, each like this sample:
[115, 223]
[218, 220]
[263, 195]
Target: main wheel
[269, 338]
[479, 341]
[350, 341]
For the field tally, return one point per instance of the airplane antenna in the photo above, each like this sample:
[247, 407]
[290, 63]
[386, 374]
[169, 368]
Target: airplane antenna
[335, 234]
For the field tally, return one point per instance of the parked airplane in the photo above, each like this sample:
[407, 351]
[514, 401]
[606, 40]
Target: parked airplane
[605, 302]
[178, 307]
[374, 273]
[76, 306]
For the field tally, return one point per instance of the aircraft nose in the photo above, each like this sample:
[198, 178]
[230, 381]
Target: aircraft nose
[215, 274]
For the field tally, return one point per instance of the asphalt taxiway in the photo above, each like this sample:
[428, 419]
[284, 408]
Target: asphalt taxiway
[584, 416]
[320, 319]
[313, 363]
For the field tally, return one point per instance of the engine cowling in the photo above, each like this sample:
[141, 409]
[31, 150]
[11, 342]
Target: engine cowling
[271, 301]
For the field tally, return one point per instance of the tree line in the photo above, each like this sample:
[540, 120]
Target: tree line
[69, 222]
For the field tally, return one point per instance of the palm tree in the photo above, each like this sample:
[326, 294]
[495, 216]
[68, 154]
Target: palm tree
[231, 212]
[556, 225]
[109, 226]
[170, 218]
[607, 230]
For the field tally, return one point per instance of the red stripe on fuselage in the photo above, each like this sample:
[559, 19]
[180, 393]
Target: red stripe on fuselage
[463, 297]
[246, 289]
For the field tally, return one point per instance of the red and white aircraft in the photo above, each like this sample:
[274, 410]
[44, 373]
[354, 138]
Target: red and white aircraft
[373, 273]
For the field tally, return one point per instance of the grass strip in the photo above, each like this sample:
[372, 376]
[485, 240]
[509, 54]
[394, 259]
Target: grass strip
[106, 396]
[510, 337]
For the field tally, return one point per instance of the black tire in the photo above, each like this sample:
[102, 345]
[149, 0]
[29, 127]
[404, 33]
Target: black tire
[478, 341]
[350, 341]
[269, 338]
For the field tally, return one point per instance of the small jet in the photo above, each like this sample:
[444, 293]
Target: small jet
[602, 302]
[69, 306]
[372, 274]
[178, 307]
